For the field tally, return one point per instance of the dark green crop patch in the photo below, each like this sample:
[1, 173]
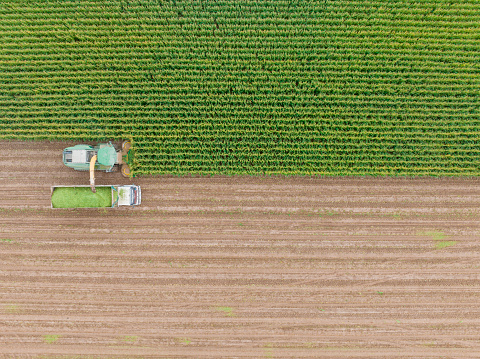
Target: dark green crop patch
[317, 88]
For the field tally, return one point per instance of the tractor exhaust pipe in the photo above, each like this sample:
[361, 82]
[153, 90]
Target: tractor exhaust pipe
[92, 173]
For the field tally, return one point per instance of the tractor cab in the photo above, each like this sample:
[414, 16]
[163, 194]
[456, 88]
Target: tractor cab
[78, 156]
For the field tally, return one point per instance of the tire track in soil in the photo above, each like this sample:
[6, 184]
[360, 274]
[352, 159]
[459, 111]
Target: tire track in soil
[237, 267]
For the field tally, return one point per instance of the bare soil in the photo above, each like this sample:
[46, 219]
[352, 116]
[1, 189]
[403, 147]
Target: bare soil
[237, 267]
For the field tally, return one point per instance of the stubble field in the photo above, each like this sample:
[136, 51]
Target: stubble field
[237, 267]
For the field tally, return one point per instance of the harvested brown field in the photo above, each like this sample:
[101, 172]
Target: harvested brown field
[237, 267]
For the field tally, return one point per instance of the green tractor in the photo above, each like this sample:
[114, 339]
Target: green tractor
[102, 157]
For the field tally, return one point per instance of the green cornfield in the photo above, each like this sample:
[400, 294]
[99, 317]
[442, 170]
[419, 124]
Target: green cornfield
[269, 87]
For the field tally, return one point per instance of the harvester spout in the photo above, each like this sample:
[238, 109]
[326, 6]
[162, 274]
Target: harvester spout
[92, 173]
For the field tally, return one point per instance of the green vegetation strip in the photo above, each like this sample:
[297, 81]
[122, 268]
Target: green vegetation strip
[81, 197]
[344, 87]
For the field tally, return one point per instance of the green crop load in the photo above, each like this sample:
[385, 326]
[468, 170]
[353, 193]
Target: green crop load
[81, 197]
[301, 87]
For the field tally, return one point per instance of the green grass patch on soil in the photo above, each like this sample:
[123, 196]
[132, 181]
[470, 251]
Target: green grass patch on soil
[185, 341]
[438, 237]
[12, 308]
[50, 338]
[444, 244]
[81, 197]
[130, 339]
[227, 310]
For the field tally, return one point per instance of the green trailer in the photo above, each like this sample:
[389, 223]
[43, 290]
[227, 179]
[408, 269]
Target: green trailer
[103, 197]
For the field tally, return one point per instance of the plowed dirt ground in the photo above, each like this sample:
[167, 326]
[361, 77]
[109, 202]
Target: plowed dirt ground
[237, 267]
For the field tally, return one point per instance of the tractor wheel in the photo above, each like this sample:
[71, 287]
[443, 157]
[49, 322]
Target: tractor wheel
[125, 170]
[125, 147]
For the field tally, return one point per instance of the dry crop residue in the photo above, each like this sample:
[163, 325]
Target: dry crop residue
[237, 267]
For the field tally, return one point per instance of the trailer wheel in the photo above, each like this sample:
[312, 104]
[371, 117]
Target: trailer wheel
[125, 170]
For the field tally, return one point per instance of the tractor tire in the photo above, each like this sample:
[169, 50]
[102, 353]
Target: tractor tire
[125, 147]
[125, 170]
